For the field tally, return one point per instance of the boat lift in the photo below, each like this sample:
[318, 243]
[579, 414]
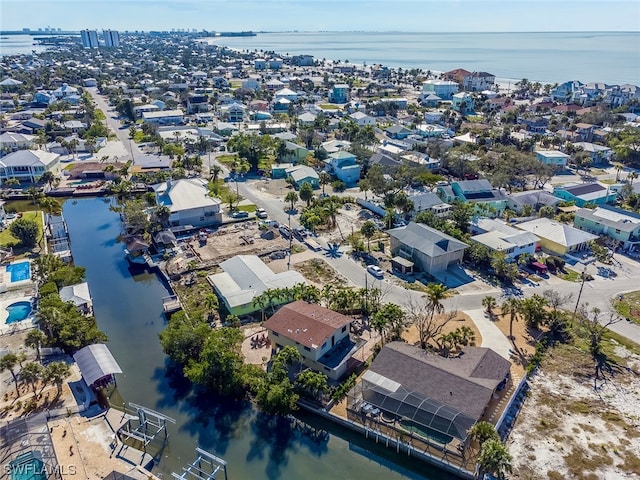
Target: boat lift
[205, 467]
[149, 425]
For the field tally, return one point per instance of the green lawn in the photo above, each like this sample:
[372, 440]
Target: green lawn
[330, 106]
[629, 306]
[139, 136]
[8, 240]
[570, 276]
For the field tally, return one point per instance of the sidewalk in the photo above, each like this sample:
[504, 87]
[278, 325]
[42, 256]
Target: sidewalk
[492, 337]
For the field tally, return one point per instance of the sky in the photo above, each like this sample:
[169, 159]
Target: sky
[333, 15]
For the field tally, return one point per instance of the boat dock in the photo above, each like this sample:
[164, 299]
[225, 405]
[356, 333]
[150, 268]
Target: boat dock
[171, 304]
[57, 235]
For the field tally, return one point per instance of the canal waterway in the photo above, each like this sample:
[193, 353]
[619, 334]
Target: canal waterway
[128, 308]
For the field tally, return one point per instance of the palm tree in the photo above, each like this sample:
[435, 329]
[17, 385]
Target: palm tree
[368, 229]
[389, 218]
[31, 373]
[216, 170]
[494, 458]
[34, 339]
[489, 303]
[331, 210]
[324, 178]
[511, 306]
[291, 197]
[436, 294]
[48, 178]
[483, 431]
[56, 373]
[9, 362]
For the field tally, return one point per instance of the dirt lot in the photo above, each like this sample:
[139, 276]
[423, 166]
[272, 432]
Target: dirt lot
[575, 425]
[411, 335]
[239, 239]
[525, 338]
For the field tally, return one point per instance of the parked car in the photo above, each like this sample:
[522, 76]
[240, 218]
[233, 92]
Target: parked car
[239, 214]
[375, 271]
[285, 232]
[300, 233]
[261, 213]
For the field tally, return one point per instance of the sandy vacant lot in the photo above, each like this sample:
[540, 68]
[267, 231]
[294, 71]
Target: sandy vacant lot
[574, 425]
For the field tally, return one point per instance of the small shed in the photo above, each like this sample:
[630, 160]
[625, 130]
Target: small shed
[402, 264]
[97, 365]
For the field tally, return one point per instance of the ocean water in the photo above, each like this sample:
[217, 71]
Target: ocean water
[611, 57]
[19, 44]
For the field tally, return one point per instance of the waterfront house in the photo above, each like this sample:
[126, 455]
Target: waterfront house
[189, 202]
[431, 250]
[557, 238]
[458, 75]
[585, 193]
[244, 277]
[164, 117]
[429, 394]
[555, 158]
[478, 81]
[480, 192]
[535, 198]
[500, 237]
[444, 89]
[78, 295]
[619, 225]
[565, 91]
[28, 165]
[319, 334]
[344, 166]
[339, 93]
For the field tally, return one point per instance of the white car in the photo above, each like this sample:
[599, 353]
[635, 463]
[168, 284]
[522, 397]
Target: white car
[375, 271]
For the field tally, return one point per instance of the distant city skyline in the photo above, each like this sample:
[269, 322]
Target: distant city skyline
[330, 15]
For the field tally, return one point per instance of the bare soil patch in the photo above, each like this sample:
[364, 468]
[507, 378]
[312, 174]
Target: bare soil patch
[411, 335]
[577, 425]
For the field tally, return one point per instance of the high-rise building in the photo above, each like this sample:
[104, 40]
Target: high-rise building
[111, 38]
[89, 38]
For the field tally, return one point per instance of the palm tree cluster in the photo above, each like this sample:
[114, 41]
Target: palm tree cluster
[346, 300]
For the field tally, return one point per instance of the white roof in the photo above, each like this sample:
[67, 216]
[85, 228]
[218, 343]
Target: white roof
[10, 137]
[10, 82]
[591, 147]
[552, 154]
[95, 361]
[246, 276]
[560, 233]
[77, 294]
[285, 91]
[184, 194]
[504, 241]
[28, 158]
[163, 114]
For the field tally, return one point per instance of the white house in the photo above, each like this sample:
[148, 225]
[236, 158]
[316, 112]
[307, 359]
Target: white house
[164, 117]
[500, 237]
[10, 142]
[478, 81]
[28, 165]
[362, 119]
[189, 202]
[285, 93]
[78, 295]
[64, 91]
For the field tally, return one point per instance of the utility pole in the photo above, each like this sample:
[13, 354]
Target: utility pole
[584, 278]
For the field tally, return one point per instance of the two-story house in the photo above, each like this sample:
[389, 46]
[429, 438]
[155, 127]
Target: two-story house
[500, 237]
[319, 334]
[585, 193]
[339, 93]
[344, 166]
[478, 81]
[480, 192]
[28, 166]
[444, 89]
[620, 225]
[555, 158]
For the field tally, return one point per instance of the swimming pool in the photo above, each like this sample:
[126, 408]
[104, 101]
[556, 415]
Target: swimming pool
[27, 467]
[19, 271]
[18, 311]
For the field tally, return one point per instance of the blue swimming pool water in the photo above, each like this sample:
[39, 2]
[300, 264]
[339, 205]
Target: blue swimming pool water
[18, 311]
[26, 467]
[19, 271]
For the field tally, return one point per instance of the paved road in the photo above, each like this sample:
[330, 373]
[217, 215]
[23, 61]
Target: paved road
[113, 122]
[598, 293]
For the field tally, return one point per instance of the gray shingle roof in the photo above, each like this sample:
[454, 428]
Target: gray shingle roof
[427, 240]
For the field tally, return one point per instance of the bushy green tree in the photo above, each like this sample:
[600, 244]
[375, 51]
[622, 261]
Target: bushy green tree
[26, 231]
